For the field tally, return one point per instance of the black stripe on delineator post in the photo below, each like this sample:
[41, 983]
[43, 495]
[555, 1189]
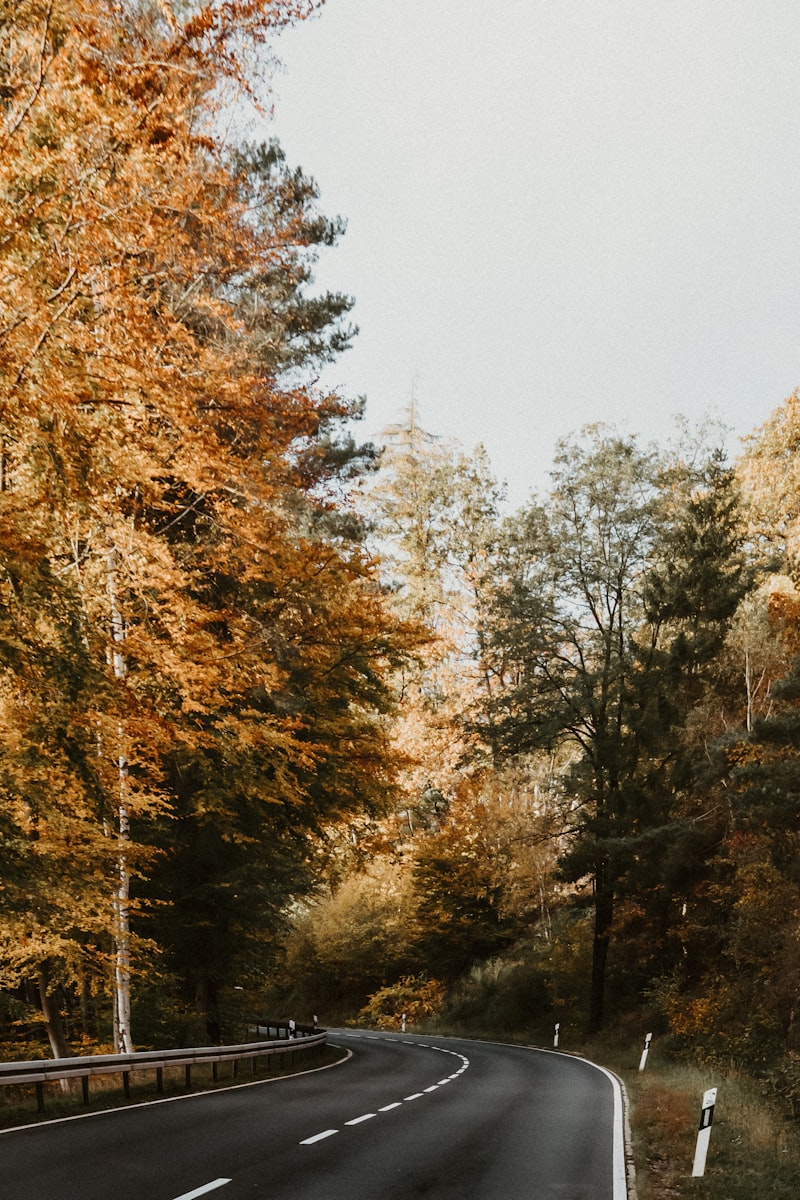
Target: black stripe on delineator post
[704, 1132]
[707, 1117]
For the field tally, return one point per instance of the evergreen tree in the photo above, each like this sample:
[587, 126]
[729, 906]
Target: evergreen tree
[617, 590]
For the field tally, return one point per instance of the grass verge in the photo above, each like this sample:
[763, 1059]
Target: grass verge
[753, 1151]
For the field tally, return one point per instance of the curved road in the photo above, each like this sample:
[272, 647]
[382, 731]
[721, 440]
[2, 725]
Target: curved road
[405, 1117]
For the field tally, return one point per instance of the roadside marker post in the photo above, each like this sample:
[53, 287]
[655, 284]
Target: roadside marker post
[648, 1037]
[404, 1022]
[704, 1132]
[555, 1036]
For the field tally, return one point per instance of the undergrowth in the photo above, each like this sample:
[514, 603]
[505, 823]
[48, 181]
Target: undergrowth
[754, 1149]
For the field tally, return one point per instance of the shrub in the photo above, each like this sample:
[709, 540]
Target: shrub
[419, 998]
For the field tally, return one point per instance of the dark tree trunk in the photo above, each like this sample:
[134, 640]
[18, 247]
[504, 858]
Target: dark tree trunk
[603, 916]
[208, 1005]
[51, 1014]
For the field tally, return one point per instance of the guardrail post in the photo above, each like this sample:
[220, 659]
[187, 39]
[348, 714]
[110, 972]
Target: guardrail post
[122, 1066]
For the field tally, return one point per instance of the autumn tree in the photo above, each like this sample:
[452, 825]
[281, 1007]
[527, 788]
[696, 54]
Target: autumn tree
[434, 510]
[223, 637]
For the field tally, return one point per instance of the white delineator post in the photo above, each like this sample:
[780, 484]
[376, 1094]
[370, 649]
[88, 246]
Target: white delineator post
[404, 1022]
[555, 1036]
[648, 1037]
[704, 1133]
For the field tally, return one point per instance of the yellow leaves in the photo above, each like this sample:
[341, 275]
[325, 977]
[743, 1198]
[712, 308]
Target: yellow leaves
[770, 474]
[412, 998]
[180, 636]
[695, 1017]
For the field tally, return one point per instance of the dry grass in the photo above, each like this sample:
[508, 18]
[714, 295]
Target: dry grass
[753, 1153]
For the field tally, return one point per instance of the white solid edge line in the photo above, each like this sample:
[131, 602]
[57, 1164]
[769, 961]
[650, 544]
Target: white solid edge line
[203, 1191]
[618, 1170]
[128, 1108]
[618, 1164]
[326, 1133]
[619, 1177]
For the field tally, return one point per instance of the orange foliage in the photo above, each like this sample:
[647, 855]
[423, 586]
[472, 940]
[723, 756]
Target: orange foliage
[168, 583]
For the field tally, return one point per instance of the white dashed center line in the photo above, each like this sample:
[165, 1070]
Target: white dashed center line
[326, 1133]
[318, 1137]
[204, 1190]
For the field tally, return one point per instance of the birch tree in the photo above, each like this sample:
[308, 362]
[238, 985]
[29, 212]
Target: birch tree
[157, 459]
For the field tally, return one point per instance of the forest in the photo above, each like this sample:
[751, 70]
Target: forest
[291, 724]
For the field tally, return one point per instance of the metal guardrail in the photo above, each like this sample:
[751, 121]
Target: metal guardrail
[287, 1040]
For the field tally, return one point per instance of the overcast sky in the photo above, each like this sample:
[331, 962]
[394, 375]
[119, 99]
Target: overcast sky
[559, 211]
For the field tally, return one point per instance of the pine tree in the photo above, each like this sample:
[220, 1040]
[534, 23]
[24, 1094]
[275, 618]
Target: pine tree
[617, 592]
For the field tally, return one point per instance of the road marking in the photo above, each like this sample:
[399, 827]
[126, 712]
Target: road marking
[203, 1191]
[316, 1138]
[123, 1111]
[619, 1175]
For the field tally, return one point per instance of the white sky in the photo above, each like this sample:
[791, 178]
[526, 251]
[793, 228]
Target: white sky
[559, 211]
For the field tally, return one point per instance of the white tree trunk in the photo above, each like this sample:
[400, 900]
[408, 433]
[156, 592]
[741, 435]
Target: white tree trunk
[121, 905]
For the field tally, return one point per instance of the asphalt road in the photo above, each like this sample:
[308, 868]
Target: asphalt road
[405, 1117]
